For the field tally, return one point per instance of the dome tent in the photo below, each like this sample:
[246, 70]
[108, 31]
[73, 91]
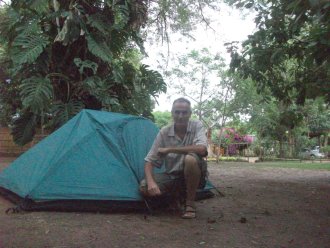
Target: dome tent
[94, 156]
[92, 163]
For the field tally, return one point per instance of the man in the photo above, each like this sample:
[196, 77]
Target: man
[182, 146]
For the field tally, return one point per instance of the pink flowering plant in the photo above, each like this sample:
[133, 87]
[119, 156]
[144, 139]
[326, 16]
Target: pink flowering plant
[234, 141]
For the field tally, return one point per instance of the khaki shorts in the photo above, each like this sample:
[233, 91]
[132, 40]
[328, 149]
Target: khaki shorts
[170, 182]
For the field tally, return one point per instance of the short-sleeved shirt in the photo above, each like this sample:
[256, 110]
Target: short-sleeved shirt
[166, 137]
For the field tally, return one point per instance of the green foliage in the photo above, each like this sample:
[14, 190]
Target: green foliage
[36, 93]
[100, 22]
[65, 111]
[86, 64]
[102, 90]
[151, 80]
[295, 164]
[288, 54]
[325, 149]
[303, 141]
[317, 116]
[41, 6]
[274, 121]
[162, 119]
[71, 29]
[228, 159]
[257, 150]
[178, 16]
[24, 128]
[28, 47]
[203, 72]
[99, 48]
[63, 56]
[121, 16]
[8, 101]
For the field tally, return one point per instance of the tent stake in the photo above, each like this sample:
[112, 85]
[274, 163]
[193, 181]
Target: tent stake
[218, 191]
[148, 207]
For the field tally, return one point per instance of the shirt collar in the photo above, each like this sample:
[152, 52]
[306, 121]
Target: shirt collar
[172, 133]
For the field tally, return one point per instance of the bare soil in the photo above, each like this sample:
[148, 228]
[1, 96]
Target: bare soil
[262, 207]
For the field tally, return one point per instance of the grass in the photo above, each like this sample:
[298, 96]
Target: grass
[294, 164]
[227, 159]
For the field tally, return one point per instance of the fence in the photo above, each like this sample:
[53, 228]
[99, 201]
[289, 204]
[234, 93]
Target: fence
[8, 148]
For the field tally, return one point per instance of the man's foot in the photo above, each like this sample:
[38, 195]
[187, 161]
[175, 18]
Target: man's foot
[190, 213]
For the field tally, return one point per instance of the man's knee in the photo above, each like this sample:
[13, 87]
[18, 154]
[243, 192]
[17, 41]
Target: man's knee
[190, 163]
[190, 160]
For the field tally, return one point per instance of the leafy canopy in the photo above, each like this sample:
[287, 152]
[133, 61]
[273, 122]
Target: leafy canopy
[62, 56]
[288, 54]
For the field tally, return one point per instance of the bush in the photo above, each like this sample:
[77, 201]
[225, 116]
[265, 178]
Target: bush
[326, 150]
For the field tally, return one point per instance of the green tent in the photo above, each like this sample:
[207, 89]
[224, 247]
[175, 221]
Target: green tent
[96, 156]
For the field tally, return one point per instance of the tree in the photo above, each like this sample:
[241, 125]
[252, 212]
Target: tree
[208, 85]
[63, 56]
[288, 54]
[271, 120]
[317, 120]
[230, 103]
[162, 118]
[167, 16]
[233, 140]
[201, 71]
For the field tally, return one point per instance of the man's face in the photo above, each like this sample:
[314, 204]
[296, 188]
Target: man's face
[181, 113]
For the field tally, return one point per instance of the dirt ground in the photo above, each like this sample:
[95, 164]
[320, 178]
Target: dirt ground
[262, 207]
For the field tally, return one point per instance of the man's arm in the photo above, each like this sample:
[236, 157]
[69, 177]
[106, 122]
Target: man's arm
[153, 189]
[198, 149]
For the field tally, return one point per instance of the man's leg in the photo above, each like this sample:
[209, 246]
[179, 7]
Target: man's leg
[166, 183]
[169, 186]
[192, 175]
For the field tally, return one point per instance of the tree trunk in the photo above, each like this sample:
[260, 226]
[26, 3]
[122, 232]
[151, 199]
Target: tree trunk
[209, 141]
[290, 143]
[281, 149]
[219, 144]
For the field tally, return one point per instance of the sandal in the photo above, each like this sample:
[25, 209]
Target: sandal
[190, 213]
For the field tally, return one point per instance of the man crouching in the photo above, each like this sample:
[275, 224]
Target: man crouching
[182, 146]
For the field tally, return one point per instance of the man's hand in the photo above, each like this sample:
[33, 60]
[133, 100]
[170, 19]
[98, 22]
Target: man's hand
[162, 152]
[153, 189]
